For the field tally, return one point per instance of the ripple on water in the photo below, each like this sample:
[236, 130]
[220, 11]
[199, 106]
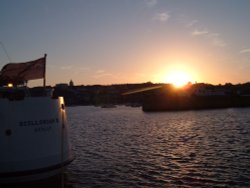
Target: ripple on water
[125, 147]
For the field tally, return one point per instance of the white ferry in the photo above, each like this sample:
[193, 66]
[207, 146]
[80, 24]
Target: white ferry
[34, 134]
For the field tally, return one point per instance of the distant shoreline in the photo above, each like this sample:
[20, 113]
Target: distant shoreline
[157, 96]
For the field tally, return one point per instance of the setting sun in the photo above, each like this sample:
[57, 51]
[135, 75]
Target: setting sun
[178, 78]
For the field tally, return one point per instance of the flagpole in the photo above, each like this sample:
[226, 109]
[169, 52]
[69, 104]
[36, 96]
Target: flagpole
[44, 76]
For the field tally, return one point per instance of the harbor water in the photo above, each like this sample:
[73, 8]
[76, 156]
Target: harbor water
[126, 147]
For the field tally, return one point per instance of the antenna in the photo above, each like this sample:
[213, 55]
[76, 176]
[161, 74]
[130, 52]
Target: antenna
[5, 51]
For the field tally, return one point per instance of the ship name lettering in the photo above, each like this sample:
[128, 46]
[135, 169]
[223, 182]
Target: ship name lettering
[38, 122]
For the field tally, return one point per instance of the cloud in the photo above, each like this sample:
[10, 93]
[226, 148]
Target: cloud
[97, 76]
[192, 23]
[214, 37]
[218, 42]
[101, 74]
[198, 29]
[247, 50]
[244, 67]
[84, 68]
[163, 17]
[66, 67]
[198, 32]
[150, 3]
[81, 70]
[100, 71]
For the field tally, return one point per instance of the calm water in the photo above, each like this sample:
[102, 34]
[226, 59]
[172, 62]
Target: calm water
[125, 147]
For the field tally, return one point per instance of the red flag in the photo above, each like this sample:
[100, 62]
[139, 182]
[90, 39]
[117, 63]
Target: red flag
[21, 72]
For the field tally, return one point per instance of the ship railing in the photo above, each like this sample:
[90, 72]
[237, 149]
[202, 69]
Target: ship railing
[19, 93]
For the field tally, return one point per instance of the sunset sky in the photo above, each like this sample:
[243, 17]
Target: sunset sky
[129, 41]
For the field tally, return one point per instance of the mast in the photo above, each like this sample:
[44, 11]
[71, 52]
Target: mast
[44, 76]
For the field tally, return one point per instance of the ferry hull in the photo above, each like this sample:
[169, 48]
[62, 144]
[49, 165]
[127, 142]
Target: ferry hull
[34, 139]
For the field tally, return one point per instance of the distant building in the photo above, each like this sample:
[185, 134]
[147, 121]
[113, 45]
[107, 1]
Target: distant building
[71, 83]
[62, 85]
[210, 91]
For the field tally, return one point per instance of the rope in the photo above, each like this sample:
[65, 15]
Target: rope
[5, 51]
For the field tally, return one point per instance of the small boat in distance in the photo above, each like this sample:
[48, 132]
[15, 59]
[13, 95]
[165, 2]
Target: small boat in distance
[108, 106]
[34, 140]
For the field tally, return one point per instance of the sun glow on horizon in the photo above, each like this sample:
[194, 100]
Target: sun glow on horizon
[178, 78]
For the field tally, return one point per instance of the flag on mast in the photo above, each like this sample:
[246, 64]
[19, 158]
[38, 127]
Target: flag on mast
[17, 73]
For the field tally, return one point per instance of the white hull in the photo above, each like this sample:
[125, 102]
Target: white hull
[34, 140]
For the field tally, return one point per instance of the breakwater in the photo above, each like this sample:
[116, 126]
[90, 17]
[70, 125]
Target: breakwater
[168, 103]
